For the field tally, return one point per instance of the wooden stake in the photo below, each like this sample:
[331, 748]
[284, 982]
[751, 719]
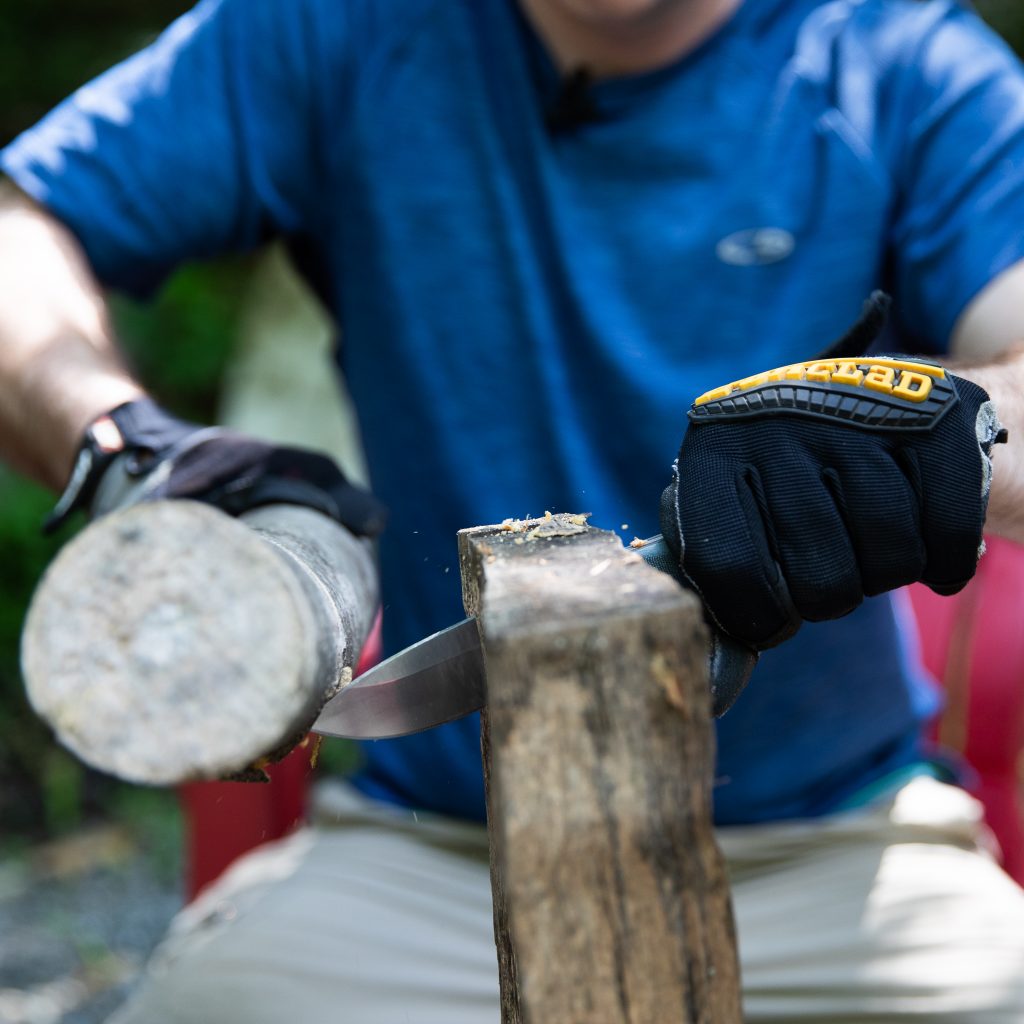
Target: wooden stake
[611, 901]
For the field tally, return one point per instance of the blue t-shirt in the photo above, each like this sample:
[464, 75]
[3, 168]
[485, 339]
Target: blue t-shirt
[527, 314]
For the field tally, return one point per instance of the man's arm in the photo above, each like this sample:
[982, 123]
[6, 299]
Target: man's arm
[206, 142]
[60, 370]
[59, 365]
[988, 347]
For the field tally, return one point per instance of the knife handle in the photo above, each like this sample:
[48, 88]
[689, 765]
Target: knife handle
[730, 663]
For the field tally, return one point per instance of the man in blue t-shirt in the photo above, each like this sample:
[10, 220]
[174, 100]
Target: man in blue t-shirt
[545, 229]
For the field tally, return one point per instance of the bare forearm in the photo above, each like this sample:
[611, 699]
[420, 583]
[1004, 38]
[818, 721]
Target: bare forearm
[59, 366]
[1003, 379]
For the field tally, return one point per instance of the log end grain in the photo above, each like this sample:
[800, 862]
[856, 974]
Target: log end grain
[169, 642]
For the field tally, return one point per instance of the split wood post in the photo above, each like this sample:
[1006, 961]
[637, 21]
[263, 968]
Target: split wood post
[611, 903]
[169, 642]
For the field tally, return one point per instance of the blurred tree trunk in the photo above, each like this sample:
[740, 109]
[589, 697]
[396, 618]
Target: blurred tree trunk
[282, 383]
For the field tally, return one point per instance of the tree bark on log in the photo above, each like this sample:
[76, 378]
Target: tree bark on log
[169, 642]
[611, 900]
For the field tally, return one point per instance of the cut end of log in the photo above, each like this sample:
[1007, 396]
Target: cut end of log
[170, 642]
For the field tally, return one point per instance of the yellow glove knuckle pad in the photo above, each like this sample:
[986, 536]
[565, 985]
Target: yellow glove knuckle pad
[873, 392]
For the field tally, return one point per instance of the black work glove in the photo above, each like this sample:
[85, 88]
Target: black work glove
[799, 491]
[137, 452]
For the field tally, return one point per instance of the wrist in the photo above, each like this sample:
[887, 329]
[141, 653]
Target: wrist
[127, 435]
[74, 417]
[1003, 379]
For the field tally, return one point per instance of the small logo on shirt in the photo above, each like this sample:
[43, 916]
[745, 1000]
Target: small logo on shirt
[755, 247]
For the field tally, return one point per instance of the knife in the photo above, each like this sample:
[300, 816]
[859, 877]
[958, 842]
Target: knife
[441, 678]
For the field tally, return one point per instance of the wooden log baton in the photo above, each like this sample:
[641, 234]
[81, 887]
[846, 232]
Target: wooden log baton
[170, 641]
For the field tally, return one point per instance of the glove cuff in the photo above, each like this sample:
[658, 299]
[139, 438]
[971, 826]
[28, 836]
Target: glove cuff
[130, 433]
[138, 452]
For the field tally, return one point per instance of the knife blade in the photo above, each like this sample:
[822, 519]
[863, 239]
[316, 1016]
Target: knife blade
[436, 680]
[441, 678]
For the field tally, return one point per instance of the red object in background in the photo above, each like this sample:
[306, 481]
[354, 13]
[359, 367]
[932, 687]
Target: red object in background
[973, 643]
[223, 820]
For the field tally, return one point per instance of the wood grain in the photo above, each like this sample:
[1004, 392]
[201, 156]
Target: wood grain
[169, 642]
[610, 895]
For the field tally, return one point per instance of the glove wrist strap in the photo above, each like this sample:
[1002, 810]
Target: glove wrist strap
[132, 429]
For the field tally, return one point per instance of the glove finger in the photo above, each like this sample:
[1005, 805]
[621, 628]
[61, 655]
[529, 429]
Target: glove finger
[728, 556]
[880, 510]
[357, 509]
[237, 473]
[215, 458]
[354, 506]
[814, 547]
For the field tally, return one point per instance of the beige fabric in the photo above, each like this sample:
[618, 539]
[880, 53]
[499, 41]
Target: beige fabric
[379, 916]
[889, 913]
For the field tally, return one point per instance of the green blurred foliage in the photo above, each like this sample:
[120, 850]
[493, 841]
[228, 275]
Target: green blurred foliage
[154, 826]
[179, 344]
[50, 47]
[1007, 16]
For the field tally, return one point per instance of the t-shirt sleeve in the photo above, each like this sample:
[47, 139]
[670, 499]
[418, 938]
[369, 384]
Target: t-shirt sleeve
[959, 219]
[208, 141]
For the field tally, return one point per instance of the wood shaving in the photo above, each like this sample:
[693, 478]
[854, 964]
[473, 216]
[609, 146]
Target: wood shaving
[559, 525]
[315, 755]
